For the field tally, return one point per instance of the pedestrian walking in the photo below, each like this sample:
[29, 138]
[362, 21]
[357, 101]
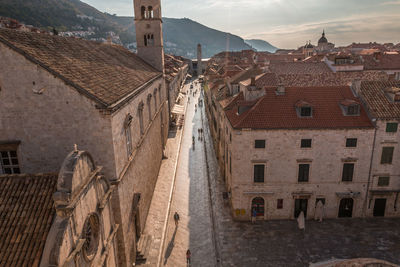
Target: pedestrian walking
[253, 216]
[193, 140]
[301, 221]
[188, 255]
[176, 218]
[188, 99]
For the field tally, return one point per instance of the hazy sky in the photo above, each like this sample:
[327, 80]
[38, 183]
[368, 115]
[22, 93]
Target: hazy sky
[284, 23]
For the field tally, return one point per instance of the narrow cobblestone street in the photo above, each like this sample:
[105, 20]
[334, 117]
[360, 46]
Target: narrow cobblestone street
[229, 243]
[190, 199]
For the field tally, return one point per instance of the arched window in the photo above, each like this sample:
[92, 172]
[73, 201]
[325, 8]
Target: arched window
[149, 106]
[151, 12]
[128, 135]
[143, 12]
[155, 100]
[145, 40]
[159, 93]
[140, 115]
[258, 205]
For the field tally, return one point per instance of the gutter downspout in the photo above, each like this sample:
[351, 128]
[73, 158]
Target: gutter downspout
[369, 173]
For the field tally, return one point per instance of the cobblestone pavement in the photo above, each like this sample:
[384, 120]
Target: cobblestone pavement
[281, 243]
[190, 200]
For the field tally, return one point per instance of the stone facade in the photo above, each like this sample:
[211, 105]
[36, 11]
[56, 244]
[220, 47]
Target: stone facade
[83, 231]
[282, 156]
[148, 23]
[46, 117]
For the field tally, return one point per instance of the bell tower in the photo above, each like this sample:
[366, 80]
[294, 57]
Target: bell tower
[149, 35]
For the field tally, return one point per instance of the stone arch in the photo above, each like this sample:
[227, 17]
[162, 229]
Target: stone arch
[75, 171]
[143, 12]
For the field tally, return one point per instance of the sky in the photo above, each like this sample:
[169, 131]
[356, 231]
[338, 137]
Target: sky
[284, 23]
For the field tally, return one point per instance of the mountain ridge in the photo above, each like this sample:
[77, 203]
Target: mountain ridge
[181, 36]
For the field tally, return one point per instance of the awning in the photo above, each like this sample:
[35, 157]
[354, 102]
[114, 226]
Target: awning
[178, 109]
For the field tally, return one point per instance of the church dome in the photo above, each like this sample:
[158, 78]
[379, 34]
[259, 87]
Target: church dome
[322, 39]
[308, 45]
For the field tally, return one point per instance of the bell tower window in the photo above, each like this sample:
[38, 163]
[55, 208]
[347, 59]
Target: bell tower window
[143, 12]
[151, 12]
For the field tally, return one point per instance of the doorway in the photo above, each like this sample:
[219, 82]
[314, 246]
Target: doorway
[300, 205]
[346, 208]
[379, 207]
[258, 205]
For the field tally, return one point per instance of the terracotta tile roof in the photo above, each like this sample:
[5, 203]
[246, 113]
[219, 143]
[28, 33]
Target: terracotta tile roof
[247, 74]
[384, 62]
[278, 111]
[26, 208]
[377, 101]
[299, 67]
[105, 73]
[330, 79]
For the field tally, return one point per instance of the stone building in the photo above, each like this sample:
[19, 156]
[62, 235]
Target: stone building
[63, 219]
[382, 100]
[176, 72]
[313, 146]
[58, 91]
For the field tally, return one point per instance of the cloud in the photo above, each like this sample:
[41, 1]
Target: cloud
[362, 28]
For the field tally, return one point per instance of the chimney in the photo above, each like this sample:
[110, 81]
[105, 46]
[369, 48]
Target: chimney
[253, 81]
[280, 90]
[377, 56]
[356, 86]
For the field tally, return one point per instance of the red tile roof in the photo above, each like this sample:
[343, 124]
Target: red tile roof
[377, 101]
[278, 111]
[381, 62]
[299, 68]
[26, 208]
[104, 73]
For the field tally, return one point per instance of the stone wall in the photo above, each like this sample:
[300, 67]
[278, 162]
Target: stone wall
[282, 156]
[138, 173]
[384, 139]
[48, 117]
[83, 232]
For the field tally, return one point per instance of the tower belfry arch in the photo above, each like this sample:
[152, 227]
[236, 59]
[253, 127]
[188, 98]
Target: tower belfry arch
[149, 36]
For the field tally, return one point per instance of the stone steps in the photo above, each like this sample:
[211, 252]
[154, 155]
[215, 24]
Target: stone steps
[143, 248]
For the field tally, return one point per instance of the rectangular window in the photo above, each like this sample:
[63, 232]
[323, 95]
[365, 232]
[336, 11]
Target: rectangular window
[383, 181]
[303, 172]
[305, 111]
[348, 171]
[353, 110]
[9, 162]
[391, 127]
[387, 155]
[306, 143]
[259, 144]
[351, 142]
[259, 173]
[279, 204]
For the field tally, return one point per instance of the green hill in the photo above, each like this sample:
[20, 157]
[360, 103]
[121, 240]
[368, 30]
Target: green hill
[261, 45]
[181, 36]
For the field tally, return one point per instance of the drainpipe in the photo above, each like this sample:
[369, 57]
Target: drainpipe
[369, 173]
